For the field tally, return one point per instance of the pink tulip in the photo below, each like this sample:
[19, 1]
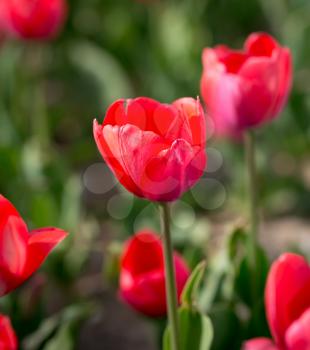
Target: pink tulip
[288, 304]
[247, 88]
[156, 150]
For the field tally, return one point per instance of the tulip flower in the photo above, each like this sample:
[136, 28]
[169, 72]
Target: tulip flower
[259, 344]
[157, 151]
[21, 251]
[245, 88]
[287, 305]
[8, 339]
[142, 276]
[33, 19]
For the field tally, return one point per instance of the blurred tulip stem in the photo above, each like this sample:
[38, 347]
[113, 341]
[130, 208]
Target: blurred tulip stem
[252, 190]
[34, 57]
[171, 291]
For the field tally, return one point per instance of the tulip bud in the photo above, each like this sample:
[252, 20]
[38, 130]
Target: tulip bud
[33, 19]
[142, 276]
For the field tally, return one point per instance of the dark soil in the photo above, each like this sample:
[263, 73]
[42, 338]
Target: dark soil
[116, 327]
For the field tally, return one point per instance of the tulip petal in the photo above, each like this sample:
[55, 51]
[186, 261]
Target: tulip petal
[148, 115]
[35, 20]
[6, 210]
[173, 171]
[194, 115]
[298, 334]
[171, 124]
[13, 239]
[137, 149]
[115, 114]
[259, 90]
[143, 253]
[149, 108]
[287, 294]
[160, 118]
[145, 293]
[143, 112]
[8, 339]
[260, 44]
[259, 344]
[136, 112]
[40, 244]
[142, 277]
[13, 245]
[284, 80]
[268, 76]
[221, 93]
[232, 59]
[108, 143]
[21, 253]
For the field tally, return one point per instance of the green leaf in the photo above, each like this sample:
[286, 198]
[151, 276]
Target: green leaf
[62, 340]
[218, 267]
[195, 331]
[191, 287]
[245, 273]
[112, 79]
[224, 318]
[61, 325]
[46, 329]
[236, 240]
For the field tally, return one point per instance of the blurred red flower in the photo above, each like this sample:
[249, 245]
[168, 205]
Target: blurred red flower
[259, 344]
[8, 340]
[2, 24]
[246, 88]
[157, 151]
[287, 305]
[142, 277]
[21, 252]
[33, 19]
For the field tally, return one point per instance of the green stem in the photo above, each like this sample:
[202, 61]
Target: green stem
[171, 291]
[253, 197]
[34, 59]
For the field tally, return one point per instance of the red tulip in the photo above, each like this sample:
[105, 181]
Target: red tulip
[8, 340]
[142, 277]
[244, 89]
[288, 304]
[34, 19]
[157, 151]
[21, 252]
[259, 344]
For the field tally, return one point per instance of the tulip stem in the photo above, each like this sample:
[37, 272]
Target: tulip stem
[253, 198]
[171, 291]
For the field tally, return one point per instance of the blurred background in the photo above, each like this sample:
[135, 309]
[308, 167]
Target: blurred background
[51, 170]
